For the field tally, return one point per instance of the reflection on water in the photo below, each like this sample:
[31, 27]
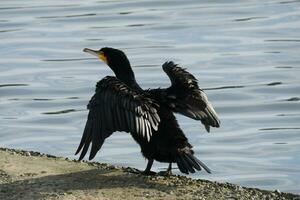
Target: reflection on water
[65, 59]
[244, 53]
[60, 112]
[12, 85]
[275, 129]
[293, 99]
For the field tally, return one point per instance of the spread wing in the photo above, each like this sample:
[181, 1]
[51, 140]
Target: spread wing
[185, 97]
[116, 107]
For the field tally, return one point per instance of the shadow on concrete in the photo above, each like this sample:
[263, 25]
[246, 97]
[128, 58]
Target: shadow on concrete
[54, 185]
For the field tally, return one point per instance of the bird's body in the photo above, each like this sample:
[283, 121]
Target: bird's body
[120, 104]
[165, 141]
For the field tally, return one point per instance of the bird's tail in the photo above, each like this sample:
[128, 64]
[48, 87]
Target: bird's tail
[188, 163]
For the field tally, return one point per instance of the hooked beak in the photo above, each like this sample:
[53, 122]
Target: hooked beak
[98, 54]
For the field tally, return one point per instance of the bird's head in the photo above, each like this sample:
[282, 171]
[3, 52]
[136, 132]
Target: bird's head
[114, 58]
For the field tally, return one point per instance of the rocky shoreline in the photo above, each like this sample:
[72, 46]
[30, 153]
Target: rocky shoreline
[33, 175]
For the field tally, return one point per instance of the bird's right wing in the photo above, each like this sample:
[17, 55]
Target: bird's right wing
[185, 97]
[116, 107]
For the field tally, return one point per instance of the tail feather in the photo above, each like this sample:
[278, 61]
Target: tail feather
[201, 164]
[192, 161]
[181, 166]
[188, 163]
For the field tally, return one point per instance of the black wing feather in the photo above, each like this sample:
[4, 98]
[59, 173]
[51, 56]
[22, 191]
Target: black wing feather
[185, 97]
[116, 107]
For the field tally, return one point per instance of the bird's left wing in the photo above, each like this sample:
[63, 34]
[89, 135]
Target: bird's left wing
[116, 107]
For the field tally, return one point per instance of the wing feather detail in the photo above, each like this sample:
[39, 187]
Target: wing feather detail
[116, 107]
[185, 97]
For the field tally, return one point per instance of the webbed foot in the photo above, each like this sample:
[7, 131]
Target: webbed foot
[149, 173]
[165, 173]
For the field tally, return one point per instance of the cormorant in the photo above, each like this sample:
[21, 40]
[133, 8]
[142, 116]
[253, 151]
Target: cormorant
[120, 104]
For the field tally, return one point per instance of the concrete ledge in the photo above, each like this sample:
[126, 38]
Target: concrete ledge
[32, 175]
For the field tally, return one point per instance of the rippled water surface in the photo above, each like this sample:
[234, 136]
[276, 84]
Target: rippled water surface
[244, 53]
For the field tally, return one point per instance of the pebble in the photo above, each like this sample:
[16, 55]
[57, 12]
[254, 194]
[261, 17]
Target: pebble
[239, 188]
[273, 194]
[27, 153]
[170, 192]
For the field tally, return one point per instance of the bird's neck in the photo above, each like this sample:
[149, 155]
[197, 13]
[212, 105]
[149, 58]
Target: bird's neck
[126, 75]
[130, 81]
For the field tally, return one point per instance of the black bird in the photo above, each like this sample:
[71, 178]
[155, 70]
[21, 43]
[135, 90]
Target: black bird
[120, 104]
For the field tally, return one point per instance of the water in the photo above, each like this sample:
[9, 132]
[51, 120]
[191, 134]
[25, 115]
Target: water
[245, 54]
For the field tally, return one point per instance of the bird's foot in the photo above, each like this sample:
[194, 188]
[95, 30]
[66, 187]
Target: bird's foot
[165, 173]
[149, 173]
[136, 171]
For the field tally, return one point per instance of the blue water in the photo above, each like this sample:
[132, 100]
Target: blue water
[244, 53]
